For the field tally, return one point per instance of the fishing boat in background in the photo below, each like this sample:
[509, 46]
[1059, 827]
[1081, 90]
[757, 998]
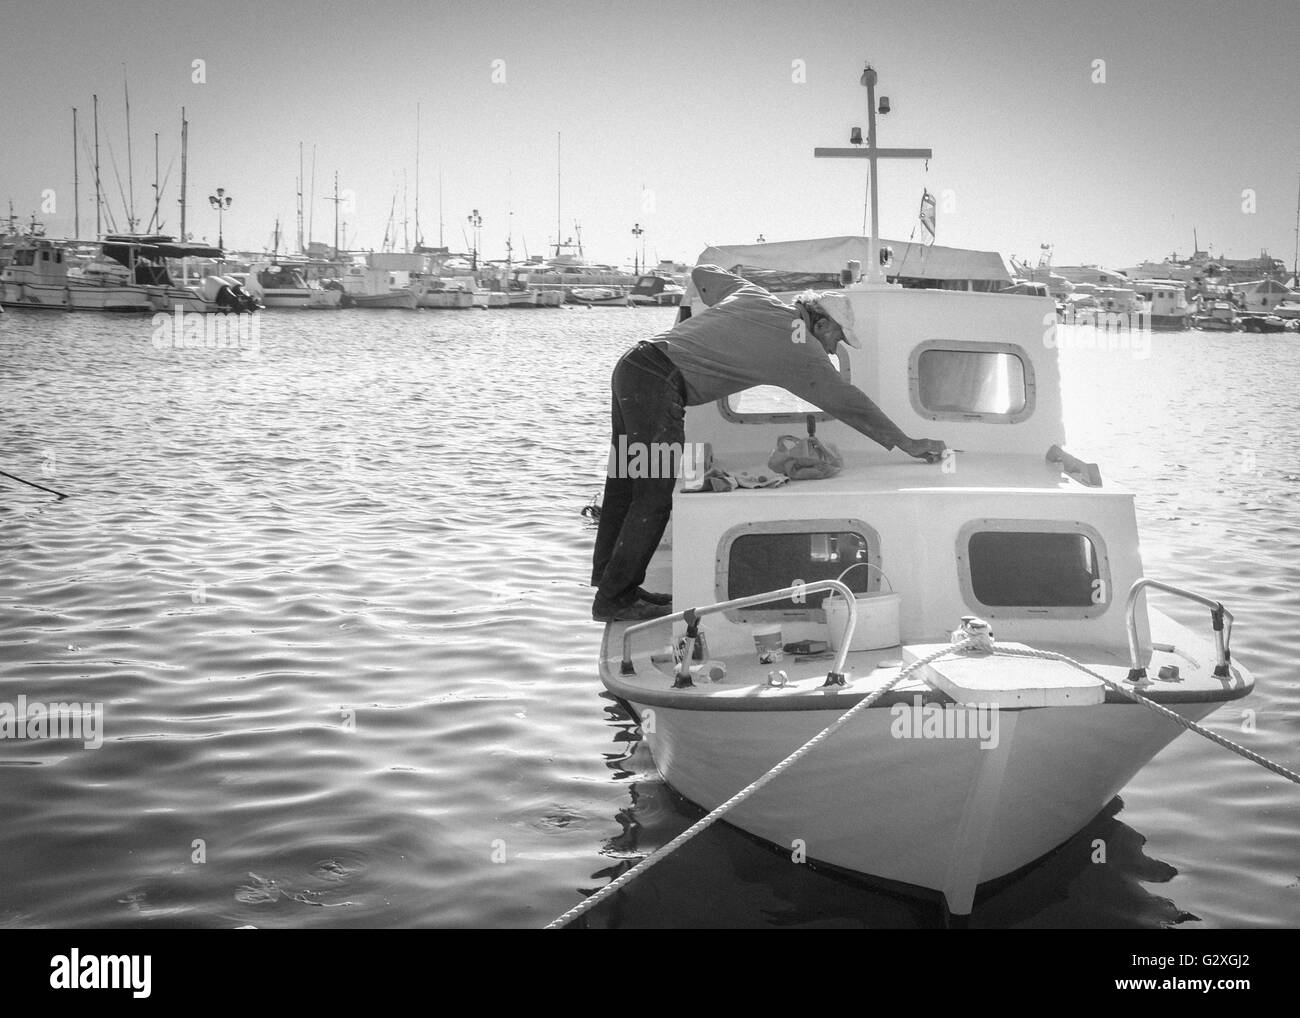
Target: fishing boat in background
[1164, 303]
[1012, 540]
[1217, 316]
[655, 291]
[444, 294]
[365, 286]
[126, 273]
[596, 296]
[283, 284]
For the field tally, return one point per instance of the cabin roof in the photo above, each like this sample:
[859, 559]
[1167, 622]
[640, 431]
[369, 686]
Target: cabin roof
[827, 255]
[974, 472]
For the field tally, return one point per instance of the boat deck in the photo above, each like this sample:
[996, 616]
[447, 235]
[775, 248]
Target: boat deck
[745, 686]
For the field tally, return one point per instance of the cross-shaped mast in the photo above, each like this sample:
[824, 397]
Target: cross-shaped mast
[871, 152]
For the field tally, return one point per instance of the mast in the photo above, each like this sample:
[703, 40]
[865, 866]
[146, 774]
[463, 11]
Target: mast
[76, 185]
[311, 208]
[300, 247]
[130, 177]
[557, 194]
[419, 241]
[1295, 258]
[440, 244]
[99, 200]
[336, 199]
[185, 138]
[871, 153]
[157, 192]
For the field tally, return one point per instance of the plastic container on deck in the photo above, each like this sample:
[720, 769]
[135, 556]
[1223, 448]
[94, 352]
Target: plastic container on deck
[878, 625]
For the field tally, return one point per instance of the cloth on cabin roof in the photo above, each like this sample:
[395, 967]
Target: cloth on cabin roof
[825, 256]
[746, 337]
[718, 479]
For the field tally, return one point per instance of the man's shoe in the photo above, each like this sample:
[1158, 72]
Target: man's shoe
[650, 598]
[634, 611]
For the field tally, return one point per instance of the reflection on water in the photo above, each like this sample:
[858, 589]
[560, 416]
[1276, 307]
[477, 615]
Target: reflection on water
[333, 601]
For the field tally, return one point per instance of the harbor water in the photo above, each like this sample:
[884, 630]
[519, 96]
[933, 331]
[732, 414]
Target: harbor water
[330, 589]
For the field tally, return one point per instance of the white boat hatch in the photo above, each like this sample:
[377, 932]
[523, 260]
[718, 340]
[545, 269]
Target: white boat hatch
[981, 680]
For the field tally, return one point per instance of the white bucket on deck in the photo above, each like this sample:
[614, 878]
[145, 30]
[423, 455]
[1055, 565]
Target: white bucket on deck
[877, 625]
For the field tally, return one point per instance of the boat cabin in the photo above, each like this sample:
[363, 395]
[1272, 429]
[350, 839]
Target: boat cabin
[1007, 527]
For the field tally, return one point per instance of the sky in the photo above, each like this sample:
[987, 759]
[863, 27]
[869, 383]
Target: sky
[695, 120]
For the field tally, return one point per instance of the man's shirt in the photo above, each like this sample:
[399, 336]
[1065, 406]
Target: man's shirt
[747, 337]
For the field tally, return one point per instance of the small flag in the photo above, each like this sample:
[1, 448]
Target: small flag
[927, 213]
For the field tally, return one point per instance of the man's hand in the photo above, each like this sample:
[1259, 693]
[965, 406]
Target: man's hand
[929, 449]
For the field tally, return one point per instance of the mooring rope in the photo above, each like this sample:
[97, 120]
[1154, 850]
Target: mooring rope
[628, 875]
[1178, 719]
[32, 484]
[977, 642]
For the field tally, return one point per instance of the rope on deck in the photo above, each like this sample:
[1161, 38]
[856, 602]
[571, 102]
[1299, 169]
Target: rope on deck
[662, 853]
[979, 643]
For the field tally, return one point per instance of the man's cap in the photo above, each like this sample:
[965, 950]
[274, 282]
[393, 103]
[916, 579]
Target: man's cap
[836, 306]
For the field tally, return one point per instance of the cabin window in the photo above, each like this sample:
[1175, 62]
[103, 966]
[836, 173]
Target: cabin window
[956, 380]
[45, 256]
[757, 557]
[1033, 569]
[764, 404]
[24, 257]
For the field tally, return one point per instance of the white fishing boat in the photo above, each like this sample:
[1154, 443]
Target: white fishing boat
[1164, 303]
[596, 296]
[283, 284]
[377, 288]
[444, 294]
[655, 291]
[127, 273]
[976, 764]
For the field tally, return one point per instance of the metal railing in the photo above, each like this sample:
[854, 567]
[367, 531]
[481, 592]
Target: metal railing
[691, 617]
[1220, 620]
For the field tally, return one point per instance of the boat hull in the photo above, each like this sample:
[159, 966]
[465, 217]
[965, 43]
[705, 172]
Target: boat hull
[404, 300]
[941, 814]
[73, 297]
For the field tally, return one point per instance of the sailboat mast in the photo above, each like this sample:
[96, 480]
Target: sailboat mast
[185, 140]
[300, 247]
[419, 241]
[130, 176]
[311, 207]
[76, 185]
[157, 192]
[1295, 258]
[336, 200]
[440, 244]
[98, 194]
[557, 194]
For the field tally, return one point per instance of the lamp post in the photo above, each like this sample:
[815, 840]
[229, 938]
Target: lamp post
[476, 221]
[636, 232]
[220, 201]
